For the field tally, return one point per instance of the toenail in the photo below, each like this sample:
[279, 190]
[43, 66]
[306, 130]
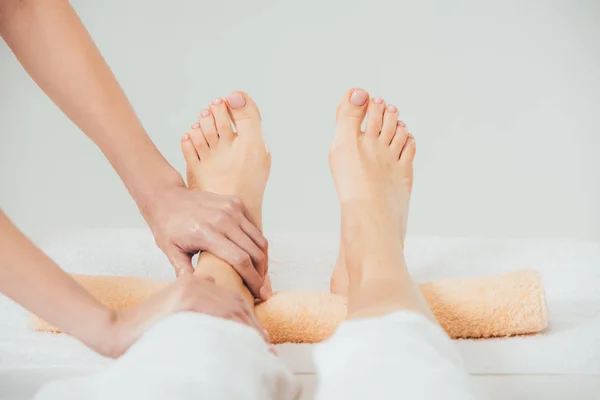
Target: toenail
[217, 101]
[205, 113]
[391, 108]
[402, 124]
[185, 137]
[236, 101]
[377, 100]
[358, 98]
[196, 126]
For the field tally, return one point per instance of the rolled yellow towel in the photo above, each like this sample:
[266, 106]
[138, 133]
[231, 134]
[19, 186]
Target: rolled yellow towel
[500, 305]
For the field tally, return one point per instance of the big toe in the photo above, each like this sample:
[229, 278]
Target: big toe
[244, 113]
[352, 110]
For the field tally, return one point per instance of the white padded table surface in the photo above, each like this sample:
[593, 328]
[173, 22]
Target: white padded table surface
[570, 271]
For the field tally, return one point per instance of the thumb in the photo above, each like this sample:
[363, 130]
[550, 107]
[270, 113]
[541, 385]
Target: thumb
[181, 261]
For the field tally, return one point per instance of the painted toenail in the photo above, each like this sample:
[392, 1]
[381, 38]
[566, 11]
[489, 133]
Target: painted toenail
[358, 98]
[185, 137]
[391, 108]
[196, 126]
[217, 101]
[205, 113]
[236, 101]
[377, 100]
[402, 124]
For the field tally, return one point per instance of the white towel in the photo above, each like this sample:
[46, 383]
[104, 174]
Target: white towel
[184, 357]
[570, 271]
[400, 355]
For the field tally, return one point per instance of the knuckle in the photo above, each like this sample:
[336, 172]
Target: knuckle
[227, 314]
[238, 297]
[220, 217]
[245, 261]
[261, 258]
[236, 202]
[264, 244]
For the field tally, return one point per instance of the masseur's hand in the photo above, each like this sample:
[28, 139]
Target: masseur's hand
[191, 292]
[186, 221]
[49, 40]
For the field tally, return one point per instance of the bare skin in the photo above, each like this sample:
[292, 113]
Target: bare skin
[56, 50]
[41, 285]
[381, 121]
[373, 174]
[230, 162]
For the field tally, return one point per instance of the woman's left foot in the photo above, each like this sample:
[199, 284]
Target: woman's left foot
[386, 140]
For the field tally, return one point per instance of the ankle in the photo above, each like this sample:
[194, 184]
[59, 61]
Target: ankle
[224, 275]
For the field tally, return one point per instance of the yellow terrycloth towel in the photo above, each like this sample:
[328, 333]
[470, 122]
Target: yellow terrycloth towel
[493, 306]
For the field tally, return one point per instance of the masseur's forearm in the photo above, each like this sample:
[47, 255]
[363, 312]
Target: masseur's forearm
[58, 53]
[34, 281]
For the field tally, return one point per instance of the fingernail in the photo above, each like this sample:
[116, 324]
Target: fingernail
[358, 97]
[402, 124]
[196, 126]
[205, 113]
[264, 293]
[236, 100]
[377, 100]
[217, 101]
[391, 108]
[185, 137]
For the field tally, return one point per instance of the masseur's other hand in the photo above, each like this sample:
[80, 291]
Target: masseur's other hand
[186, 221]
[191, 292]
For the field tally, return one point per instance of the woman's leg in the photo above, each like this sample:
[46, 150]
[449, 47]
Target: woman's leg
[390, 346]
[222, 161]
[192, 355]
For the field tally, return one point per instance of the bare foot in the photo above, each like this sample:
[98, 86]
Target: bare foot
[371, 169]
[224, 161]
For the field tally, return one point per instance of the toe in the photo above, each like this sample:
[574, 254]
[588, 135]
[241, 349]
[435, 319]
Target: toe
[390, 118]
[408, 155]
[198, 141]
[221, 118]
[351, 111]
[399, 140]
[189, 152]
[207, 124]
[374, 117]
[244, 113]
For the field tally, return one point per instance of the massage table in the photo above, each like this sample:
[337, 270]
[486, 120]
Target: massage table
[563, 362]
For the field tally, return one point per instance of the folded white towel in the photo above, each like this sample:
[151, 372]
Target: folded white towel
[184, 357]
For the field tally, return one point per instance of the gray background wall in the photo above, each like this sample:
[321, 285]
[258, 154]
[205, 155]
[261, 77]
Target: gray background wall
[503, 98]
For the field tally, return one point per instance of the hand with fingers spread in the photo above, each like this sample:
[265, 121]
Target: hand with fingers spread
[191, 292]
[186, 221]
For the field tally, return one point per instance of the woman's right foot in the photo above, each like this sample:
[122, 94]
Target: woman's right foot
[373, 174]
[224, 161]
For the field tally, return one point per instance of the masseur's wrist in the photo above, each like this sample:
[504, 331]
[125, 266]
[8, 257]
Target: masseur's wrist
[148, 199]
[142, 168]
